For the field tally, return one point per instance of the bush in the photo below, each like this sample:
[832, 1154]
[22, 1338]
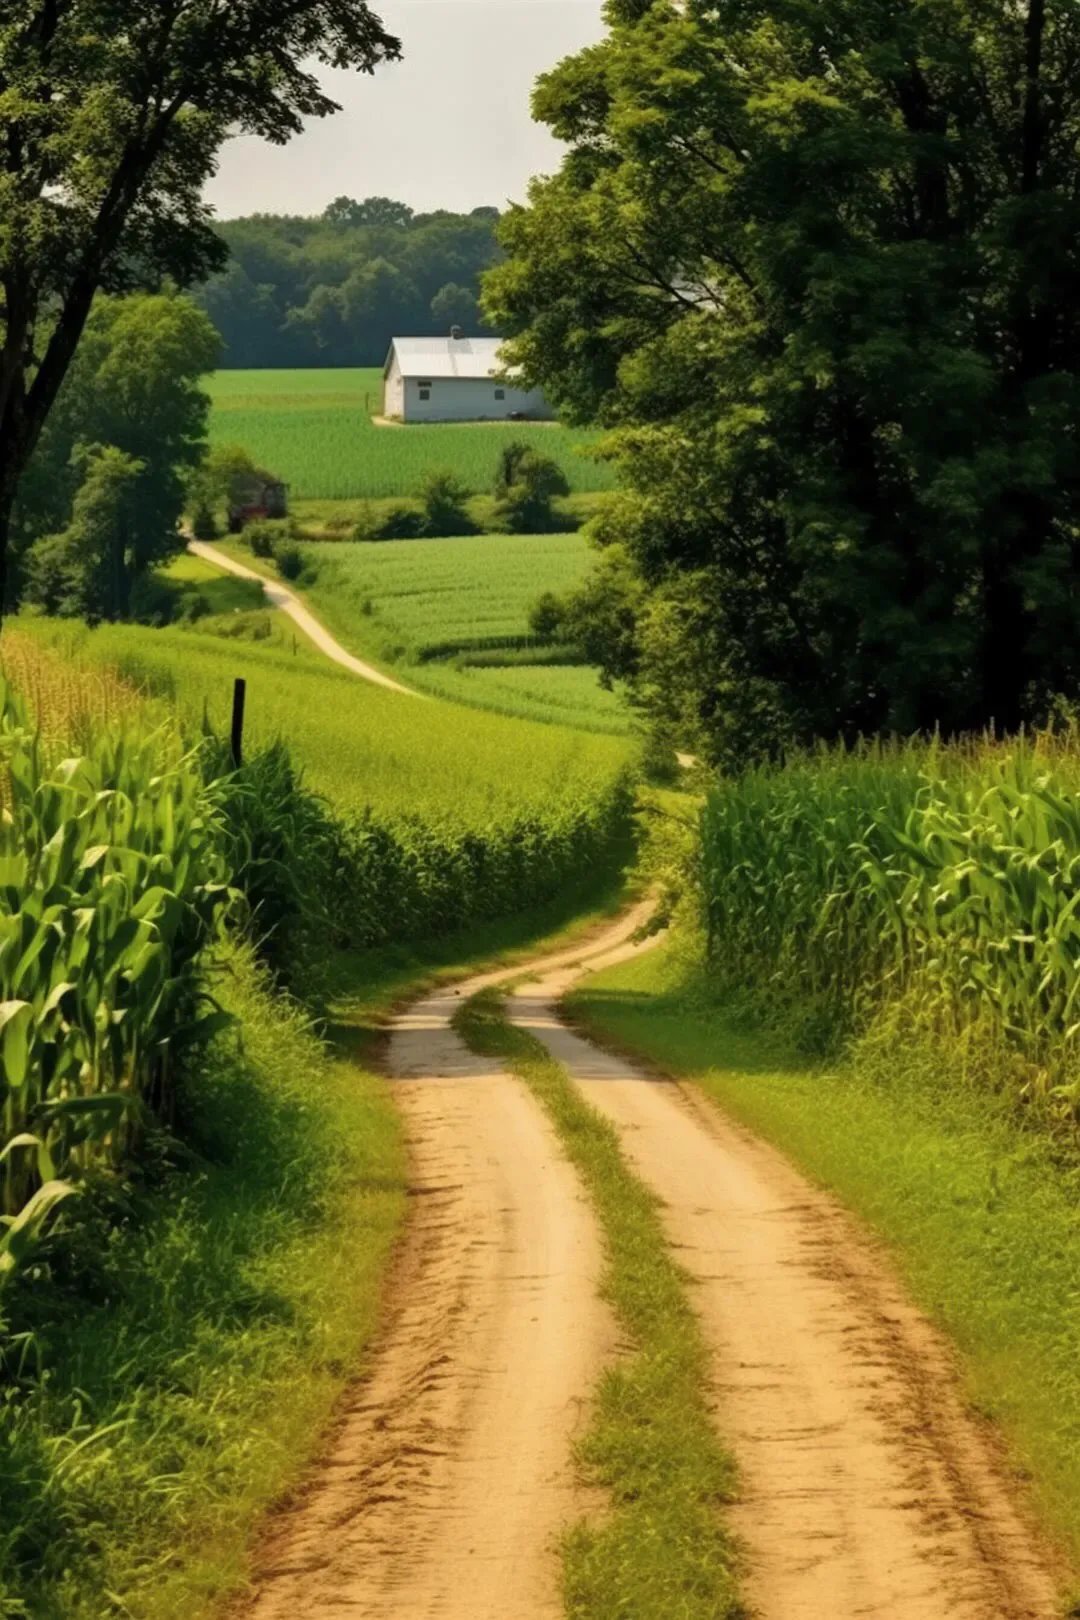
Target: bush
[289, 561]
[444, 499]
[400, 521]
[203, 524]
[157, 601]
[546, 616]
[526, 484]
[264, 535]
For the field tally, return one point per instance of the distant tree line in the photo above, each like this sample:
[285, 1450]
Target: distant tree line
[332, 290]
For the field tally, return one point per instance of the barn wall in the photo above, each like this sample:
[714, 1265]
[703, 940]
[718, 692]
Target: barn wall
[393, 390]
[468, 399]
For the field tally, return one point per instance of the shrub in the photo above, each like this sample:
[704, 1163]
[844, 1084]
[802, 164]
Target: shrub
[546, 616]
[203, 524]
[444, 499]
[155, 600]
[526, 484]
[264, 535]
[289, 561]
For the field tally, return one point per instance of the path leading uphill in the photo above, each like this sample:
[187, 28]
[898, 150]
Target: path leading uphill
[867, 1488]
[290, 604]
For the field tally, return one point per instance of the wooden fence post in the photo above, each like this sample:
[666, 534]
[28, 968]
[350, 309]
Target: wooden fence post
[239, 693]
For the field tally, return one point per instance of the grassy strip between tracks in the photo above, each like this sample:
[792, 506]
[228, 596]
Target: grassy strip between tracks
[981, 1214]
[662, 1552]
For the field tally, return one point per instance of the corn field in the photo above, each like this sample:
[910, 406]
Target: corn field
[947, 873]
[111, 881]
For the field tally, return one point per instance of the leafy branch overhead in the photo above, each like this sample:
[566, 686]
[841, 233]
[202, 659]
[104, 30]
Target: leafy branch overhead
[111, 116]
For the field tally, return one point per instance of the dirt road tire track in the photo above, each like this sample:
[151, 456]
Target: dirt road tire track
[450, 1476]
[868, 1489]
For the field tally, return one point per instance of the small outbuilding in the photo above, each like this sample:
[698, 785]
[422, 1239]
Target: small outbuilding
[455, 379]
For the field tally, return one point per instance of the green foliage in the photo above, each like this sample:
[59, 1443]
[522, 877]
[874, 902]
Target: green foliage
[315, 429]
[89, 571]
[431, 607]
[816, 268]
[113, 883]
[203, 522]
[526, 484]
[177, 1350]
[439, 831]
[444, 500]
[943, 877]
[111, 126]
[396, 521]
[264, 535]
[546, 616]
[334, 290]
[289, 560]
[133, 393]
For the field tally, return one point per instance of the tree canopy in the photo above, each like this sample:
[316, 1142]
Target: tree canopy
[127, 431]
[334, 289]
[818, 268]
[112, 113]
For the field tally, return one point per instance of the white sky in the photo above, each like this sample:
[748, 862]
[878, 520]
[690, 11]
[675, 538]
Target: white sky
[448, 127]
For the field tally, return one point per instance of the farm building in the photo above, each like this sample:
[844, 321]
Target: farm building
[453, 379]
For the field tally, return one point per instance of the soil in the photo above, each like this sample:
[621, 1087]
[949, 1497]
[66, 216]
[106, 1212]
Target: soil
[868, 1489]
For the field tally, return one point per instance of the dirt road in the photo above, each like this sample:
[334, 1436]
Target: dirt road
[868, 1490]
[450, 1477]
[290, 604]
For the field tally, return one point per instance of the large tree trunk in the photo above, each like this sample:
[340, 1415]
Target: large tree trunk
[11, 468]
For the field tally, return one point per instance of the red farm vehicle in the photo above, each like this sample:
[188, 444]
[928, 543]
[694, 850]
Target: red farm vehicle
[254, 495]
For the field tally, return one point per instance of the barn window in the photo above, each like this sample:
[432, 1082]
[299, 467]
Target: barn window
[425, 390]
[500, 393]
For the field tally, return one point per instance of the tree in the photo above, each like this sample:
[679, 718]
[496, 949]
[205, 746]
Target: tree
[526, 484]
[445, 502]
[112, 114]
[454, 305]
[134, 385]
[89, 569]
[818, 269]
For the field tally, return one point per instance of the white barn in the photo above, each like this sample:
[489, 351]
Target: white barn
[453, 379]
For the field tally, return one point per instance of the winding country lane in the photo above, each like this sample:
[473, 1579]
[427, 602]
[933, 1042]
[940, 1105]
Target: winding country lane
[290, 604]
[868, 1489]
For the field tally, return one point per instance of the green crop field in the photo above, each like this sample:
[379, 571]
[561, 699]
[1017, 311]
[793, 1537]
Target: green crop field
[364, 747]
[314, 429]
[403, 601]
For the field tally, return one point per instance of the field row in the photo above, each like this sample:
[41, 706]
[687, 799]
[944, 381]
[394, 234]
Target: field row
[422, 605]
[314, 429]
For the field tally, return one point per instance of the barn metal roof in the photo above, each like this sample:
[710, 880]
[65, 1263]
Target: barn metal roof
[447, 357]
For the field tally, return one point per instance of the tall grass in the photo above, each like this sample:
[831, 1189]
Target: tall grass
[945, 878]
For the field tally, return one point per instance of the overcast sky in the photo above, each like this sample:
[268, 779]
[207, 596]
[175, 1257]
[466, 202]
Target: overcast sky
[449, 127]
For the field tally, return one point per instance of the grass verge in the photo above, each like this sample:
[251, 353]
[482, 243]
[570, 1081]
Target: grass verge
[661, 1553]
[982, 1218]
[198, 1327]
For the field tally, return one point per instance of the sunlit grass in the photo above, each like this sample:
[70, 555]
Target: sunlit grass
[314, 429]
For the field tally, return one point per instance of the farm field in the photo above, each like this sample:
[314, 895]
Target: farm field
[365, 748]
[429, 606]
[313, 428]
